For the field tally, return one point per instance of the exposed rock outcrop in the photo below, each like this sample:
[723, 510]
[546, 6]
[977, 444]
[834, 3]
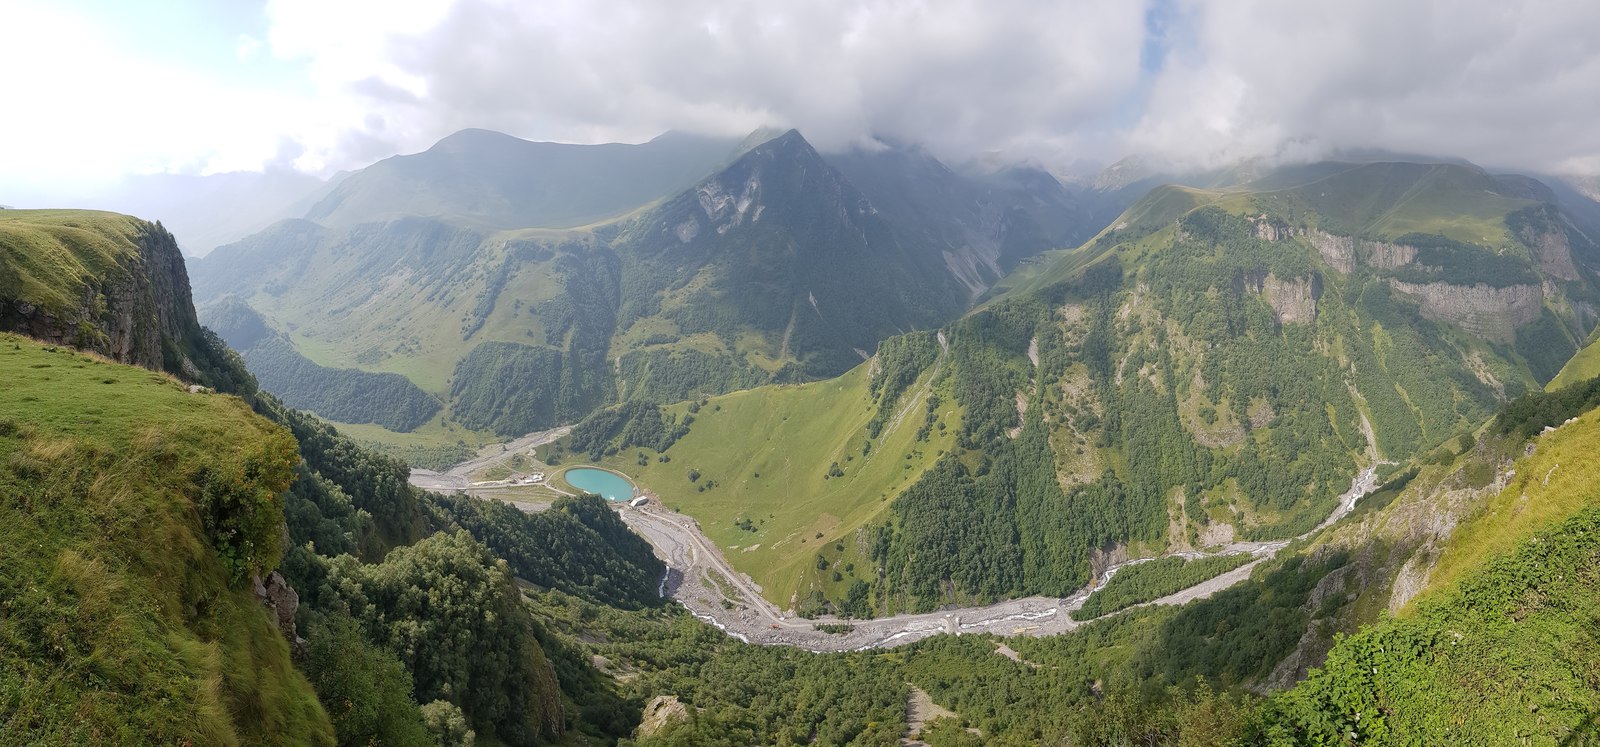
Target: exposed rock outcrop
[1386, 256]
[662, 711]
[1338, 251]
[1293, 301]
[1489, 312]
[1344, 253]
[283, 601]
[1553, 252]
[140, 311]
[1271, 229]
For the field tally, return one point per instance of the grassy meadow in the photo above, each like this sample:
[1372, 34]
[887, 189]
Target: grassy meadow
[764, 493]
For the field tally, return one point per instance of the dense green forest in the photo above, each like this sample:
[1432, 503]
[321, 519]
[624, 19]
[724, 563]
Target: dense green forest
[410, 656]
[1200, 385]
[578, 546]
[631, 424]
[346, 395]
[1137, 584]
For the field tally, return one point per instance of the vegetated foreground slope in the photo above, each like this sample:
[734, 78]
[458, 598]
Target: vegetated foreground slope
[134, 514]
[144, 521]
[774, 268]
[1501, 649]
[1210, 372]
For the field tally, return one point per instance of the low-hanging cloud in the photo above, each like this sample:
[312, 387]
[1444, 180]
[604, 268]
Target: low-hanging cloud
[1502, 83]
[959, 76]
[1193, 81]
[1513, 83]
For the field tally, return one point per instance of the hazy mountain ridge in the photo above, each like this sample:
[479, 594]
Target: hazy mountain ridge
[773, 268]
[1169, 383]
[498, 182]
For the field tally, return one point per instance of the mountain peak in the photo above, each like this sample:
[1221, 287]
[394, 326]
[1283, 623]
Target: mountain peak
[473, 137]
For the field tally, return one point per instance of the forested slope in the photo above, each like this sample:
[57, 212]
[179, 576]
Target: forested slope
[145, 526]
[1216, 368]
[772, 267]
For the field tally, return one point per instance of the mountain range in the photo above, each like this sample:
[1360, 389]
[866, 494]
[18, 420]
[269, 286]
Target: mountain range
[680, 267]
[1316, 436]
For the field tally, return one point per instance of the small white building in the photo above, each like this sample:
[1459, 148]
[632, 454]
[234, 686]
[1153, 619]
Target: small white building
[637, 502]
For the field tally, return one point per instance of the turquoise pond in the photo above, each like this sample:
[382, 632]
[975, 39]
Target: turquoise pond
[608, 485]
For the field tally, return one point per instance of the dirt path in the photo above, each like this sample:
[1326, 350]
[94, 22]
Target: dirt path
[921, 711]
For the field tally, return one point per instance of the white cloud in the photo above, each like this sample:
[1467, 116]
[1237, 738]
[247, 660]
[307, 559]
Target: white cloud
[1509, 82]
[958, 75]
[1505, 83]
[83, 111]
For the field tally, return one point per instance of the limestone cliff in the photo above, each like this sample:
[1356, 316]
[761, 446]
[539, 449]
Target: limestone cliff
[108, 283]
[1293, 300]
[120, 288]
[1486, 311]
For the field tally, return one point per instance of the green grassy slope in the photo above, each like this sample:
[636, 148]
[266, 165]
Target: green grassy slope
[1502, 650]
[48, 257]
[774, 507]
[1581, 367]
[128, 509]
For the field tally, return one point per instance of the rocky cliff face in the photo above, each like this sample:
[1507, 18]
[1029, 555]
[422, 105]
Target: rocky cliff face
[1553, 252]
[1293, 301]
[1338, 251]
[139, 311]
[1387, 256]
[1486, 311]
[1344, 253]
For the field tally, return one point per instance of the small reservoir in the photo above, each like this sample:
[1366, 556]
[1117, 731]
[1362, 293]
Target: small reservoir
[608, 485]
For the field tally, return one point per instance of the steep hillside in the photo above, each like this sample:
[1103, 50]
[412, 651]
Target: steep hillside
[775, 268]
[494, 181]
[1499, 647]
[131, 529]
[345, 395]
[780, 258]
[144, 521]
[103, 282]
[1584, 365]
[1214, 368]
[982, 225]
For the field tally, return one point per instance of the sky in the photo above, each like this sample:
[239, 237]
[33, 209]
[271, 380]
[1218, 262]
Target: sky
[96, 90]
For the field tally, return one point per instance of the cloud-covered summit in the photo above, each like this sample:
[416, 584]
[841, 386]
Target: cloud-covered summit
[336, 84]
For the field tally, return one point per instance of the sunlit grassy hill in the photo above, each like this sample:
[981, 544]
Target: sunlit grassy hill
[132, 514]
